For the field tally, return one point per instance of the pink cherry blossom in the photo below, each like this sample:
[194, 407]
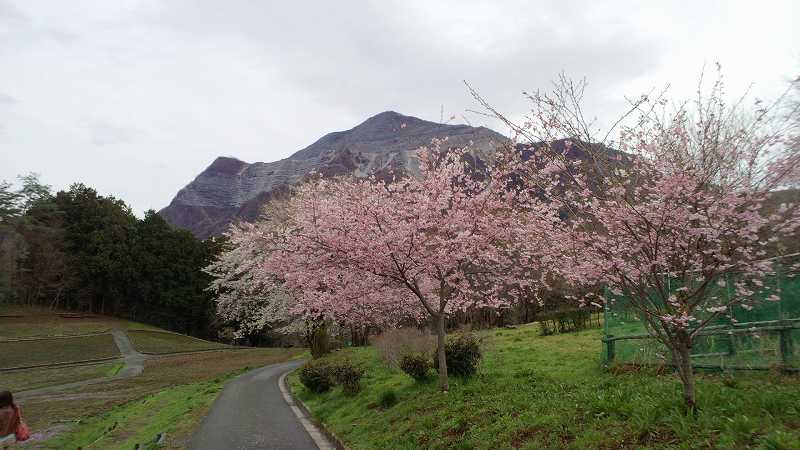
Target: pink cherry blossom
[373, 252]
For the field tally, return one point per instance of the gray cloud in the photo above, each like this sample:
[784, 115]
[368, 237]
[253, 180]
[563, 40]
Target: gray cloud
[6, 99]
[8, 11]
[136, 97]
[104, 133]
[384, 54]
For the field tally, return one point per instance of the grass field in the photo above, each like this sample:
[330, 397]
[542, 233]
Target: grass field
[550, 392]
[42, 377]
[42, 322]
[159, 342]
[172, 395]
[48, 351]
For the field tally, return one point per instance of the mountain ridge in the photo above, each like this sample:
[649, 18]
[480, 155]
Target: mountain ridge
[230, 189]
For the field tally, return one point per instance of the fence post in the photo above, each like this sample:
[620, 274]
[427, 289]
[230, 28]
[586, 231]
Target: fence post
[610, 350]
[731, 345]
[785, 342]
[605, 310]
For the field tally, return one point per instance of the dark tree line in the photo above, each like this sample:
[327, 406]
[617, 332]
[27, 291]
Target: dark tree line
[82, 251]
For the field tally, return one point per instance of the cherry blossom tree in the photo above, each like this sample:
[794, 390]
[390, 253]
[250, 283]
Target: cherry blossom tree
[683, 199]
[252, 303]
[422, 247]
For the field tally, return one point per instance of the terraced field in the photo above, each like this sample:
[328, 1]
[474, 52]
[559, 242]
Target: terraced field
[159, 342]
[56, 350]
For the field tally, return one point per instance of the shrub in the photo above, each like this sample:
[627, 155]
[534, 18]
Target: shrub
[317, 377]
[348, 375]
[388, 398]
[416, 365]
[462, 354]
[393, 344]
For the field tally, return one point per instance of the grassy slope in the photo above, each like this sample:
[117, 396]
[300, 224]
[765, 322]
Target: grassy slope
[549, 392]
[47, 351]
[173, 411]
[160, 342]
[42, 322]
[36, 378]
[50, 345]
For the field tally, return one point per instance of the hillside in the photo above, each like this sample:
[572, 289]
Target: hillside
[230, 189]
[537, 392]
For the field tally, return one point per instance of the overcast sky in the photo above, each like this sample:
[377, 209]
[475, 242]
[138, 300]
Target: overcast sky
[135, 98]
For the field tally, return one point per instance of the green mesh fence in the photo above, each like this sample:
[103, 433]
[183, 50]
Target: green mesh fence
[764, 337]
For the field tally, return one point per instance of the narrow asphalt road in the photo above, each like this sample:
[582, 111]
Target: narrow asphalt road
[251, 413]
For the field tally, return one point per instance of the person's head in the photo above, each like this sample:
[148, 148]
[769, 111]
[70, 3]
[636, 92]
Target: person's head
[6, 399]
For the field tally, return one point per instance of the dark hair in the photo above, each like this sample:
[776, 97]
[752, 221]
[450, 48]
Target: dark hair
[6, 399]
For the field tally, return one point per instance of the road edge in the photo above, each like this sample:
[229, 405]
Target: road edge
[322, 436]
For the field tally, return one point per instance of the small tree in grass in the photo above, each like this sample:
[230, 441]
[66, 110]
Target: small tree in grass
[421, 247]
[683, 201]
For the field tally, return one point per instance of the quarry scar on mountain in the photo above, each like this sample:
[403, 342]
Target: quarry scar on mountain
[230, 190]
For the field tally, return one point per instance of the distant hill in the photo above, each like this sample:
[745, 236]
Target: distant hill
[230, 190]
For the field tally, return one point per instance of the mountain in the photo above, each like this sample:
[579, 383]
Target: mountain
[230, 190]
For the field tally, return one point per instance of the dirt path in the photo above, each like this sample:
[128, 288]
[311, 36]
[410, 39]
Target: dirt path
[134, 365]
[134, 361]
[252, 413]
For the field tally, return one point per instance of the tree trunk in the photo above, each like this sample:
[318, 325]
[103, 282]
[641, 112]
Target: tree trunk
[359, 336]
[318, 340]
[684, 363]
[439, 326]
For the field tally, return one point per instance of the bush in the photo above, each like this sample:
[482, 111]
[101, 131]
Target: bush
[348, 375]
[317, 377]
[462, 354]
[388, 398]
[416, 365]
[393, 344]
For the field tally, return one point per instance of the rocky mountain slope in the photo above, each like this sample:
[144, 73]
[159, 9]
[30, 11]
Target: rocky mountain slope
[230, 190]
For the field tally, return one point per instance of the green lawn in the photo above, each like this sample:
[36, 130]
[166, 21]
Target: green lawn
[160, 342]
[57, 350]
[550, 392]
[23, 380]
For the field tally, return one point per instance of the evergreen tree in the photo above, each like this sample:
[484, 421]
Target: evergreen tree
[98, 231]
[44, 272]
[9, 203]
[81, 250]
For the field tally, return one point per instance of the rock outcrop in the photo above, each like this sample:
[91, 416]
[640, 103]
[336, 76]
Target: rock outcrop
[230, 190]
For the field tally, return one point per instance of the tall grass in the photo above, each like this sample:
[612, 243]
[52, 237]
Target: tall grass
[393, 344]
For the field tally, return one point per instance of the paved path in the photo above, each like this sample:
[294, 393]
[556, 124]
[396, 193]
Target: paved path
[134, 365]
[251, 413]
[134, 361]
